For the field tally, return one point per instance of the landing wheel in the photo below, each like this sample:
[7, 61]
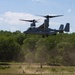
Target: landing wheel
[43, 36]
[47, 35]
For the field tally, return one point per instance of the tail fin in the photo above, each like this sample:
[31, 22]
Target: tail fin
[67, 27]
[61, 28]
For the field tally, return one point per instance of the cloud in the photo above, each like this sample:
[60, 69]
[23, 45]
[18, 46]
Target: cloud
[1, 19]
[13, 29]
[12, 19]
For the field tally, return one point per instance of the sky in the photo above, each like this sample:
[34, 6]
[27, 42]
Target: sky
[13, 10]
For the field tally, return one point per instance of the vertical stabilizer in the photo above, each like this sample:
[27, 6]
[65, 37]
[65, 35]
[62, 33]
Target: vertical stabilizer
[61, 27]
[67, 27]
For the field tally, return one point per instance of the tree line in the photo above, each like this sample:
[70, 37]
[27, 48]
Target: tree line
[53, 50]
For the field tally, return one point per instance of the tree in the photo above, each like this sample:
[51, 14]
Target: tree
[9, 49]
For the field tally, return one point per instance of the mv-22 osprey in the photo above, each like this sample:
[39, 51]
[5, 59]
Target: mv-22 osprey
[44, 29]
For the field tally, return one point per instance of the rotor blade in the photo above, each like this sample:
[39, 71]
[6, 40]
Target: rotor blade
[48, 16]
[54, 16]
[29, 20]
[26, 20]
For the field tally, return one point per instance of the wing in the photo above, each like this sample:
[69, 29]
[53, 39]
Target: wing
[41, 27]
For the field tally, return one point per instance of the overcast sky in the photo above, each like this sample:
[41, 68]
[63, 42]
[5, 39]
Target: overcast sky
[13, 10]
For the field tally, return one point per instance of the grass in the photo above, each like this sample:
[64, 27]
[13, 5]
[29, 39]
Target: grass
[34, 69]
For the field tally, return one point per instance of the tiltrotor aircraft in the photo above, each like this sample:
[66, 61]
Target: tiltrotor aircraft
[44, 29]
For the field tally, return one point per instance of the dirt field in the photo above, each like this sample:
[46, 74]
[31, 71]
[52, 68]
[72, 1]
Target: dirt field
[33, 69]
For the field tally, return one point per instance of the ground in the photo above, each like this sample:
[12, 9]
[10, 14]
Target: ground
[34, 68]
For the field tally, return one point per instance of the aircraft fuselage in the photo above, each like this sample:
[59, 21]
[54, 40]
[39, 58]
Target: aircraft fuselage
[41, 32]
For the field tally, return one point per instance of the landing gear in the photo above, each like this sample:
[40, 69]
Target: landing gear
[43, 36]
